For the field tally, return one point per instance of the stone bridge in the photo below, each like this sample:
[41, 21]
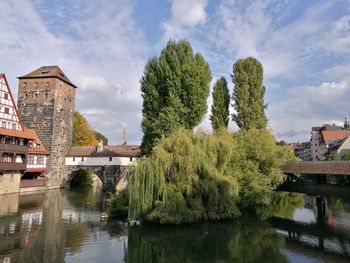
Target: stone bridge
[109, 163]
[317, 168]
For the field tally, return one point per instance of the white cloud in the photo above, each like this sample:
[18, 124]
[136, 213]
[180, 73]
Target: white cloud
[306, 106]
[185, 14]
[104, 57]
[252, 29]
[338, 40]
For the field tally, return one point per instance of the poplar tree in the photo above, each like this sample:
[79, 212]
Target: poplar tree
[221, 102]
[174, 87]
[248, 94]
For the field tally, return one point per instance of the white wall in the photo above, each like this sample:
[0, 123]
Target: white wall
[97, 161]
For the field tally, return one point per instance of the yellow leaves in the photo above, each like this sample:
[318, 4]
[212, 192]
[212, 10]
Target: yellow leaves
[83, 135]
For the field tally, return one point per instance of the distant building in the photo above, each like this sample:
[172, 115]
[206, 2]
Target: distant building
[340, 149]
[322, 137]
[302, 150]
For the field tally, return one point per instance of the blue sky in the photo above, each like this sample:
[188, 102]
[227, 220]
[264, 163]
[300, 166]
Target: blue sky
[103, 46]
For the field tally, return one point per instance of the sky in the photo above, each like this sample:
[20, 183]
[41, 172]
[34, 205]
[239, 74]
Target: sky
[102, 46]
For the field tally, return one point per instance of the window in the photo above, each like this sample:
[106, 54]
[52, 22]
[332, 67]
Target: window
[130, 159]
[40, 160]
[3, 124]
[82, 159]
[46, 84]
[30, 159]
[6, 96]
[45, 95]
[73, 159]
[24, 84]
[36, 95]
[36, 84]
[14, 126]
[26, 95]
[7, 110]
[110, 159]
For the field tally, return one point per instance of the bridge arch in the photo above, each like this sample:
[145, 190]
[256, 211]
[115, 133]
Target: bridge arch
[109, 175]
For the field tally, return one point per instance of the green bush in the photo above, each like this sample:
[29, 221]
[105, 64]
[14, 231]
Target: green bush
[118, 205]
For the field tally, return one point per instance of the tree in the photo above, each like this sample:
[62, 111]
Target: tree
[248, 94]
[174, 87]
[83, 135]
[100, 136]
[199, 176]
[221, 103]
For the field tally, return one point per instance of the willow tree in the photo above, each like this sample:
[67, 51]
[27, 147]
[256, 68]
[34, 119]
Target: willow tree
[199, 176]
[248, 94]
[174, 87]
[221, 102]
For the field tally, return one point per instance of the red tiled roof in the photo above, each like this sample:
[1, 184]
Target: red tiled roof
[108, 151]
[36, 140]
[332, 136]
[26, 134]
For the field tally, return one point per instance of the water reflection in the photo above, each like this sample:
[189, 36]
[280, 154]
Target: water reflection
[64, 226]
[245, 240]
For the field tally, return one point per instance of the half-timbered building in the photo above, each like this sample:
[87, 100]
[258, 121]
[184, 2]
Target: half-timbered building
[14, 141]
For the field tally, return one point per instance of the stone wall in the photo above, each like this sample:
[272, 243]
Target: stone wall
[47, 105]
[110, 175]
[9, 182]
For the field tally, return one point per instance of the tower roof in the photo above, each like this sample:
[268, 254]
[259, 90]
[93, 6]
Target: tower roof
[48, 72]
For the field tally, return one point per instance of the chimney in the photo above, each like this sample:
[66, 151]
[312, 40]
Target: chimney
[99, 147]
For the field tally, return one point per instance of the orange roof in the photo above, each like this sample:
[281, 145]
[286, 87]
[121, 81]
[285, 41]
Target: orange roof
[332, 136]
[36, 140]
[14, 133]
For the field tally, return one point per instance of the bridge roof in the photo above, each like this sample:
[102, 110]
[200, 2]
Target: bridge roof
[108, 151]
[317, 167]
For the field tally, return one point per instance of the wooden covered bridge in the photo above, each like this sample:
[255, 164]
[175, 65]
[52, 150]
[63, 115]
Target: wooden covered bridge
[317, 178]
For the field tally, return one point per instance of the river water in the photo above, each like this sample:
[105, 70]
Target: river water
[65, 226]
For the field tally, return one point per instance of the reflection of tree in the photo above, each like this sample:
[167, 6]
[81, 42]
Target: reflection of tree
[283, 205]
[75, 234]
[84, 197]
[338, 206]
[244, 240]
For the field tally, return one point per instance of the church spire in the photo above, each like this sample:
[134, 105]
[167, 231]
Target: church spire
[346, 123]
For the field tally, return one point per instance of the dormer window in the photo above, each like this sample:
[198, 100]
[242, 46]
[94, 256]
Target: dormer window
[6, 96]
[14, 126]
[7, 110]
[3, 124]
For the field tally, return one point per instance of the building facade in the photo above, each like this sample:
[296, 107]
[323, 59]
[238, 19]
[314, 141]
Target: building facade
[46, 102]
[14, 141]
[322, 137]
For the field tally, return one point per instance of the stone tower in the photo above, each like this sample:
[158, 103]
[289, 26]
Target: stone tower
[46, 101]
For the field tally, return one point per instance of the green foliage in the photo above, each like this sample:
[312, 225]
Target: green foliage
[100, 136]
[282, 143]
[345, 157]
[248, 94]
[82, 178]
[191, 177]
[118, 205]
[174, 87]
[221, 102]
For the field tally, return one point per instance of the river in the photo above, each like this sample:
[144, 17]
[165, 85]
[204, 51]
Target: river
[65, 226]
